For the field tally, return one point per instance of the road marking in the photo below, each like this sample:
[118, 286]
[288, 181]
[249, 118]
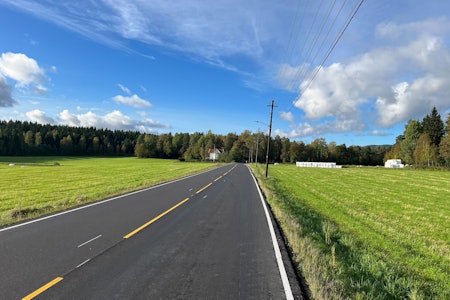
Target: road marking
[203, 188]
[42, 289]
[84, 262]
[154, 219]
[101, 202]
[93, 239]
[282, 269]
[204, 197]
[218, 178]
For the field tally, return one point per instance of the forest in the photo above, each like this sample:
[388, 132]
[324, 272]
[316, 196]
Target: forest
[425, 143]
[20, 138]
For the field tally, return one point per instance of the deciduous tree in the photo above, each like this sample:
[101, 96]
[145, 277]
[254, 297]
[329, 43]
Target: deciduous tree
[425, 153]
[408, 145]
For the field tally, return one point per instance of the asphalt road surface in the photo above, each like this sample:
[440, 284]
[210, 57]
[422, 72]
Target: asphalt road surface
[203, 237]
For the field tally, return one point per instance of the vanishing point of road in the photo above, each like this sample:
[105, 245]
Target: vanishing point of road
[207, 236]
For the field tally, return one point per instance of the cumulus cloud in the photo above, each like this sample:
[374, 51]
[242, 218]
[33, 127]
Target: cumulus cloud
[288, 116]
[39, 116]
[6, 99]
[113, 120]
[133, 100]
[21, 68]
[387, 85]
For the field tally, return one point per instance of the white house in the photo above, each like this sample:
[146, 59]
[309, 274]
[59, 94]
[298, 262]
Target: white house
[312, 164]
[394, 163]
[214, 153]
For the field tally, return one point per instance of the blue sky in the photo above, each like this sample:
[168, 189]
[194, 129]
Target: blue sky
[185, 66]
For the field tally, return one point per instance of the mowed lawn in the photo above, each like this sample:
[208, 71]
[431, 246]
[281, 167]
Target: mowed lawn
[384, 233]
[32, 186]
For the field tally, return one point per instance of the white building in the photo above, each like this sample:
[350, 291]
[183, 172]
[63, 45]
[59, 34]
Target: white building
[312, 164]
[215, 153]
[394, 163]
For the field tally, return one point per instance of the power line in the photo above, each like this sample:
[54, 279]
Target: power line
[330, 50]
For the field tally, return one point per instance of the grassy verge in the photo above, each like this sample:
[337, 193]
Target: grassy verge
[365, 233]
[33, 186]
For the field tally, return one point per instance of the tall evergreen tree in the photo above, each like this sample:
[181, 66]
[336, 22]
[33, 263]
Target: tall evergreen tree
[432, 125]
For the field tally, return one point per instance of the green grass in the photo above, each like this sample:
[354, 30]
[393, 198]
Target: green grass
[369, 233]
[39, 185]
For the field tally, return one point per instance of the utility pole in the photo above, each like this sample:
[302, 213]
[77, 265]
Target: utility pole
[257, 143]
[268, 138]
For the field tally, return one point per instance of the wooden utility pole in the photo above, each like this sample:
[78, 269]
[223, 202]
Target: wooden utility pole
[268, 138]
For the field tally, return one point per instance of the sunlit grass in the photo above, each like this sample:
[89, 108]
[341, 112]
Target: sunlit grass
[39, 185]
[378, 233]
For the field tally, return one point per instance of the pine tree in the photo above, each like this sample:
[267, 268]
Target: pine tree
[434, 127]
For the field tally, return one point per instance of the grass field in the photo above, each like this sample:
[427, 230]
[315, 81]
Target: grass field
[367, 233]
[35, 186]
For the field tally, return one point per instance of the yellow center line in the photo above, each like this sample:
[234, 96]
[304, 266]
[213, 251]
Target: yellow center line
[154, 219]
[43, 288]
[58, 279]
[203, 188]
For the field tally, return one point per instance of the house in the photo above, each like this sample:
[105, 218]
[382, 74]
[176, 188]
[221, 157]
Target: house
[394, 163]
[215, 153]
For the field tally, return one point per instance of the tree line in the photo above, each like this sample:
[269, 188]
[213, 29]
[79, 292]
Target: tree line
[25, 138]
[424, 143]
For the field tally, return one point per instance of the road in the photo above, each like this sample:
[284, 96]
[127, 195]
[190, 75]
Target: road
[203, 237]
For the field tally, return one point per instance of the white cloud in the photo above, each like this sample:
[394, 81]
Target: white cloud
[388, 85]
[40, 89]
[124, 89]
[288, 116]
[39, 116]
[6, 99]
[154, 124]
[21, 68]
[113, 120]
[133, 100]
[70, 119]
[214, 34]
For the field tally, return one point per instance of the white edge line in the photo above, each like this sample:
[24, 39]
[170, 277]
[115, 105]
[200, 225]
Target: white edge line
[283, 274]
[93, 239]
[102, 202]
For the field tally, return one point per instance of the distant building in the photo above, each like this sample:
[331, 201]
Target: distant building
[312, 164]
[394, 163]
[215, 153]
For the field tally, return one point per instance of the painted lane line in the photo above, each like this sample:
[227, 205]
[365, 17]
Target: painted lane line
[203, 188]
[218, 178]
[84, 262]
[101, 202]
[282, 269]
[154, 219]
[42, 288]
[85, 243]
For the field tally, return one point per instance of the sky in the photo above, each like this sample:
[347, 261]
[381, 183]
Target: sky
[350, 71]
